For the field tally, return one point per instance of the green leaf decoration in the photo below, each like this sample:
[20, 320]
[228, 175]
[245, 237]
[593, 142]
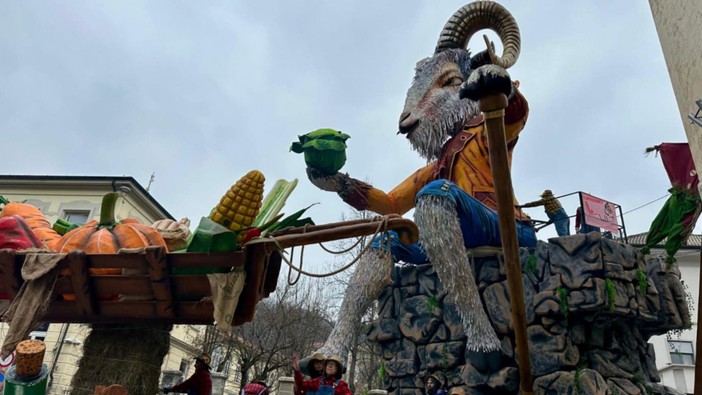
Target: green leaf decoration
[324, 145]
[293, 220]
[296, 147]
[328, 134]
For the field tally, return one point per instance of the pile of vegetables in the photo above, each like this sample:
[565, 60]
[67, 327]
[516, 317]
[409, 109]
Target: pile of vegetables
[241, 215]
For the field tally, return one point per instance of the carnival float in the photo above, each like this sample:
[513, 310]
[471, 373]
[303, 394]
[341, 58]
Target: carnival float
[480, 302]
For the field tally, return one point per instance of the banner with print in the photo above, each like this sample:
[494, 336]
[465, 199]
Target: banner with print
[599, 212]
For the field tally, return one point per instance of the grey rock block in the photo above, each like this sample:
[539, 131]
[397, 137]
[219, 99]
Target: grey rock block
[589, 382]
[419, 319]
[550, 353]
[444, 356]
[472, 377]
[452, 320]
[408, 275]
[504, 381]
[497, 305]
[555, 383]
[404, 362]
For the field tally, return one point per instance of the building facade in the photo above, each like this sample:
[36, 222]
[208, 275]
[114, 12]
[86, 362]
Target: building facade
[679, 27]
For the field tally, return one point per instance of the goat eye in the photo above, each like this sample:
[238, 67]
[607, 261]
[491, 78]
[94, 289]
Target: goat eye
[453, 81]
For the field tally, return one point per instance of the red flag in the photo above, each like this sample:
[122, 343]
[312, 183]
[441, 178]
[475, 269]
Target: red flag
[678, 163]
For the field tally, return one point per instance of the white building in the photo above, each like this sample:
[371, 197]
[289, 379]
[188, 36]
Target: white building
[676, 352]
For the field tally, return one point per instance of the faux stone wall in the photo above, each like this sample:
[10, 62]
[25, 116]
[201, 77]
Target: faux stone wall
[591, 306]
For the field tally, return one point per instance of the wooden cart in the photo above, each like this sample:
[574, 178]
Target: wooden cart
[156, 294]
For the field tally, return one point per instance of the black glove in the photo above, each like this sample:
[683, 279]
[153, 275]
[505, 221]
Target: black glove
[484, 81]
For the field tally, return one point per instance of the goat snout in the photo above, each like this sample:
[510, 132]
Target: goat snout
[407, 123]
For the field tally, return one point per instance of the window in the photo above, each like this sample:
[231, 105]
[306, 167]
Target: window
[76, 216]
[184, 366]
[681, 352]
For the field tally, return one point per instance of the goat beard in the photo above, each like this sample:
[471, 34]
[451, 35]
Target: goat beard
[436, 129]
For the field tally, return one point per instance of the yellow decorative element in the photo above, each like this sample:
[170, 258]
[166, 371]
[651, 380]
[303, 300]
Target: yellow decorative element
[239, 206]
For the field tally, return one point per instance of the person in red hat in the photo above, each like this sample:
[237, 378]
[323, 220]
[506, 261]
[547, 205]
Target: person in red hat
[330, 383]
[256, 387]
[200, 383]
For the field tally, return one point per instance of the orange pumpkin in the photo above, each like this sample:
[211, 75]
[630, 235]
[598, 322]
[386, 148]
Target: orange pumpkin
[108, 236]
[35, 219]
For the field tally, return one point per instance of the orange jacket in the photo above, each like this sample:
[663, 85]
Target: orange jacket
[464, 161]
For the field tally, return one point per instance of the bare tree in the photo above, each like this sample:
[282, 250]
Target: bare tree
[364, 359]
[294, 320]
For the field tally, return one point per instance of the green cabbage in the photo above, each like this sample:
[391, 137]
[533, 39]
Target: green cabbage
[324, 149]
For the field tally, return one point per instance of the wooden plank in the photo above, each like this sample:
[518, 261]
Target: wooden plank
[345, 232]
[255, 266]
[194, 284]
[187, 260]
[161, 286]
[10, 280]
[202, 261]
[272, 273]
[196, 313]
[187, 285]
[84, 303]
[315, 228]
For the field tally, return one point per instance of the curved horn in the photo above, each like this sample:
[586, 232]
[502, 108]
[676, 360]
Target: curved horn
[482, 15]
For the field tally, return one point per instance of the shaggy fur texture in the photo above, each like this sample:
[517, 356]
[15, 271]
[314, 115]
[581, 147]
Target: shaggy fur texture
[433, 102]
[373, 273]
[442, 240]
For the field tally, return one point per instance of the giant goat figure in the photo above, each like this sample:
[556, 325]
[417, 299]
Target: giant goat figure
[453, 194]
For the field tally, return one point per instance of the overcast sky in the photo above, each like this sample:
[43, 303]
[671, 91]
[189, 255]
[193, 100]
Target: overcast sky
[202, 92]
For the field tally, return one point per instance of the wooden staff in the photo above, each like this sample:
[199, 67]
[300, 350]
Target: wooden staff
[493, 108]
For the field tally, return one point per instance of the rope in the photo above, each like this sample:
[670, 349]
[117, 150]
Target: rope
[644, 205]
[382, 227]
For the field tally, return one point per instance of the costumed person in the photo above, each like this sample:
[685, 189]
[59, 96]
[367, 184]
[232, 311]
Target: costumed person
[580, 223]
[200, 383]
[256, 387]
[554, 210]
[433, 386]
[330, 383]
[454, 195]
[311, 368]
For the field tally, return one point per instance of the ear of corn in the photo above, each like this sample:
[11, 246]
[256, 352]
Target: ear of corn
[240, 205]
[274, 201]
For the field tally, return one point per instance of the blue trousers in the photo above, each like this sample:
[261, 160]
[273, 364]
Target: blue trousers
[479, 225]
[560, 221]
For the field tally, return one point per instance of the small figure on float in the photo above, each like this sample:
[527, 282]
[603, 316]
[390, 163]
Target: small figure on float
[433, 386]
[200, 383]
[554, 210]
[329, 383]
[454, 195]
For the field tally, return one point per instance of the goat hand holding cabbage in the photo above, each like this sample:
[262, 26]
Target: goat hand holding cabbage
[324, 149]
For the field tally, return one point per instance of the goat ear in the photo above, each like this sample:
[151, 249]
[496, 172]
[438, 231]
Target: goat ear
[421, 63]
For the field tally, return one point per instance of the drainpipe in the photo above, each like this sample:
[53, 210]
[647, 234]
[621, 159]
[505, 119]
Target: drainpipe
[57, 353]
